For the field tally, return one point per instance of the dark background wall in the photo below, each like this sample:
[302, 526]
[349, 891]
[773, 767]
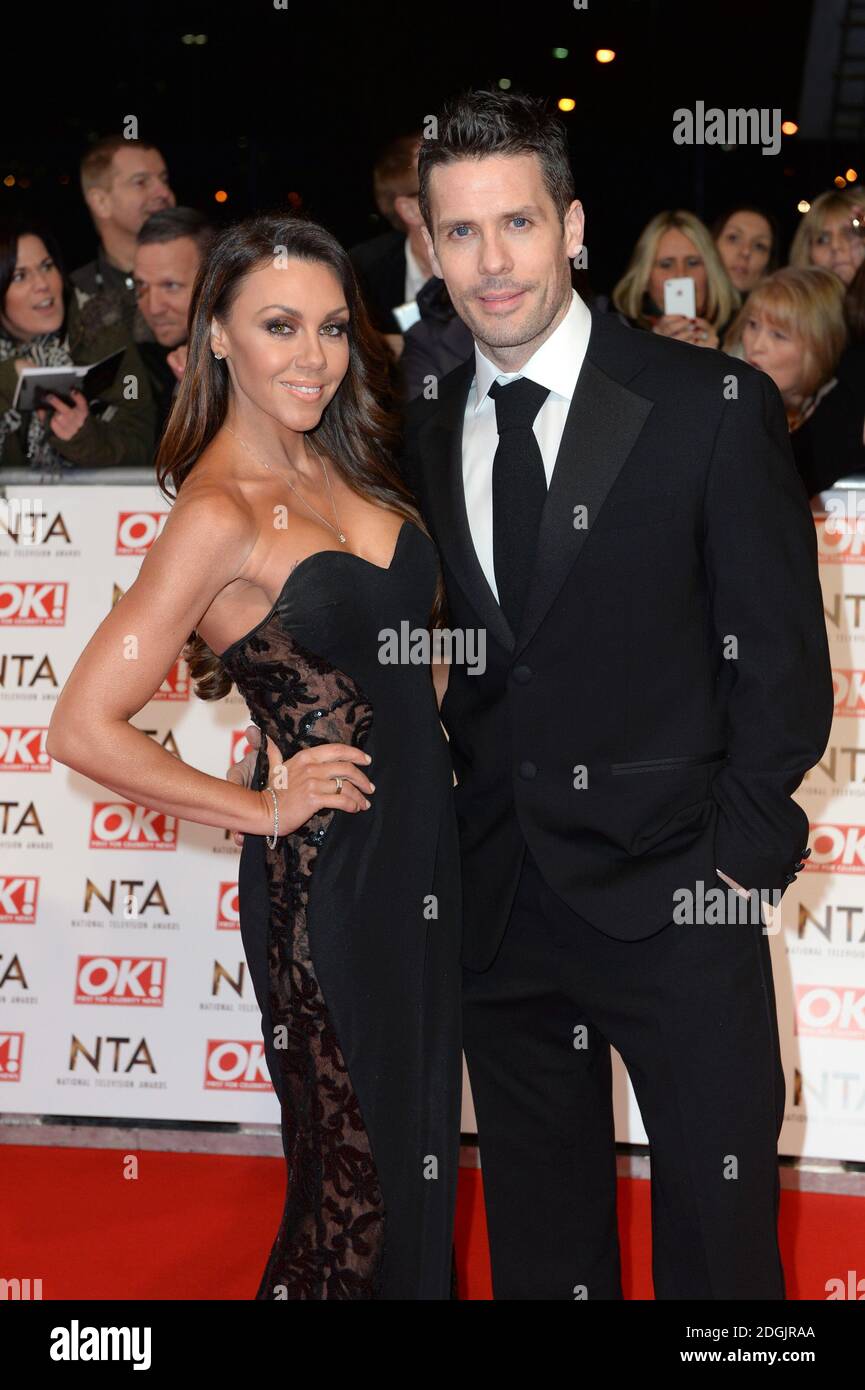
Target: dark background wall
[298, 100]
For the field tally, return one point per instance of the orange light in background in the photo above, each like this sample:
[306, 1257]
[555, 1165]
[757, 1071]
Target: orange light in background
[605, 55]
[851, 175]
[294, 199]
[803, 205]
[840, 181]
[221, 196]
[9, 180]
[566, 103]
[789, 127]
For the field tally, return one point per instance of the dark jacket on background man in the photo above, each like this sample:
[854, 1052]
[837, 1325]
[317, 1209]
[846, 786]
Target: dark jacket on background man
[163, 382]
[380, 267]
[437, 343]
[829, 445]
[111, 292]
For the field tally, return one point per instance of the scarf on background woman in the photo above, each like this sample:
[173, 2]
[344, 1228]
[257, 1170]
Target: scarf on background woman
[48, 350]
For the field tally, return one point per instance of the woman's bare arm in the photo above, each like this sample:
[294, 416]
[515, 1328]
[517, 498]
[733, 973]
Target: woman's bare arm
[204, 546]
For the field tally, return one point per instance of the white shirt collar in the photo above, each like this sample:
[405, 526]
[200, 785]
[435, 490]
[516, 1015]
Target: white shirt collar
[557, 362]
[415, 279]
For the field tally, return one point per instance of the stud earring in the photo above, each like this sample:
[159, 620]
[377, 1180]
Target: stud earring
[219, 356]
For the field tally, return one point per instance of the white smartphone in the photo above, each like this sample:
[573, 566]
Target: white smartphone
[680, 296]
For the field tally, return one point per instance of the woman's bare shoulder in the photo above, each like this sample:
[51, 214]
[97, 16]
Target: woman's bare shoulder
[212, 494]
[212, 515]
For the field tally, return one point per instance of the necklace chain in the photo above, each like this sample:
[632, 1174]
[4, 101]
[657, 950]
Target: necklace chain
[337, 528]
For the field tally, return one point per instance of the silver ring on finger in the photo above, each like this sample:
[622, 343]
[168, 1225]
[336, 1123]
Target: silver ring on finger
[338, 781]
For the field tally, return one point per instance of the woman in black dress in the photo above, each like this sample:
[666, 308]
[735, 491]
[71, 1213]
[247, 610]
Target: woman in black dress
[290, 553]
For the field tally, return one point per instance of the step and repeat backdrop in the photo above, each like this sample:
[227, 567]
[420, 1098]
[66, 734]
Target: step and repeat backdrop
[123, 986]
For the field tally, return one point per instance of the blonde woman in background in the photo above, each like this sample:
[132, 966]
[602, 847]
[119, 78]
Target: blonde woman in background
[674, 244]
[827, 237]
[792, 327]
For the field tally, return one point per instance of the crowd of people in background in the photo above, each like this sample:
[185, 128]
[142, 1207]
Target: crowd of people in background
[802, 323]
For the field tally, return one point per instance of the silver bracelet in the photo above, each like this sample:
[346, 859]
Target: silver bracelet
[271, 841]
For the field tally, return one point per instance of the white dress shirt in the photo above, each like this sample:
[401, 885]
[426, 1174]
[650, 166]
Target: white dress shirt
[556, 365]
[414, 276]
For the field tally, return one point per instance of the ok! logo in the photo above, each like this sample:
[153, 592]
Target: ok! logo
[28, 603]
[11, 1048]
[830, 1011]
[233, 1064]
[849, 690]
[841, 529]
[18, 895]
[837, 849]
[123, 825]
[228, 908]
[120, 980]
[136, 531]
[22, 748]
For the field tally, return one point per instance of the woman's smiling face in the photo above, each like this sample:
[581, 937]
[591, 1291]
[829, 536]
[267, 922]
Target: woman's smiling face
[286, 340]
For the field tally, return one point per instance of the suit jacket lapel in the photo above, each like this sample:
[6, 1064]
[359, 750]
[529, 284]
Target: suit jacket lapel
[441, 442]
[602, 427]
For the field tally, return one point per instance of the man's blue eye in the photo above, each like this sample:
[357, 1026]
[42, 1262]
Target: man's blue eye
[461, 228]
[522, 219]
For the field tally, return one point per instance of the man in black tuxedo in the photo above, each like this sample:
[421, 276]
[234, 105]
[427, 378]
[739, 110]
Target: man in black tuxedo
[621, 513]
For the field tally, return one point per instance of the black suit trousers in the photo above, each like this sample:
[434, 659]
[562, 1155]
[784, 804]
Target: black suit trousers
[691, 1010]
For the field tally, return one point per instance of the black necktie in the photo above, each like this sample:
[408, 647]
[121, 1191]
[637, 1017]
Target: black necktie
[519, 492]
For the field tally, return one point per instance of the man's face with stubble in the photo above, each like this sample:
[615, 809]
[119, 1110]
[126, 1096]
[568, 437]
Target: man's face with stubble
[500, 246]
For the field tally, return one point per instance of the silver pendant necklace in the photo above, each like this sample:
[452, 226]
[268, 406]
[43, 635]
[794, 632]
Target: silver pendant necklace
[337, 528]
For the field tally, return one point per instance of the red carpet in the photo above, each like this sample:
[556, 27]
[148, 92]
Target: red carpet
[199, 1226]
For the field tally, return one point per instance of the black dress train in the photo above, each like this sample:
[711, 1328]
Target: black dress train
[351, 929]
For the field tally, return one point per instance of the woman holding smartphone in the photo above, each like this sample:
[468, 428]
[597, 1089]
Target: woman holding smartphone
[677, 246]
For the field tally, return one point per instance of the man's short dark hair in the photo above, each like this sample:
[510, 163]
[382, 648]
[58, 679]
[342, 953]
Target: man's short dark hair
[478, 124]
[169, 224]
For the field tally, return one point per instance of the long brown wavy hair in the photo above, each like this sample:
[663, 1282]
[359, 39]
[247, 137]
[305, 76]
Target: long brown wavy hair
[359, 428]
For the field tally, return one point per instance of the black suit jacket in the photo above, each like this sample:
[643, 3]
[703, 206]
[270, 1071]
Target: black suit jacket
[674, 647]
[829, 445]
[380, 267]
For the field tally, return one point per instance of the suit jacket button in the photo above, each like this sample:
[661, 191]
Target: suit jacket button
[527, 770]
[522, 674]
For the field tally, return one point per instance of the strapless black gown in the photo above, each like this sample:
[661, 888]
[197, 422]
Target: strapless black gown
[351, 929]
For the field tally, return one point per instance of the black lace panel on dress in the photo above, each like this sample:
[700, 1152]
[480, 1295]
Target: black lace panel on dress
[330, 1242]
